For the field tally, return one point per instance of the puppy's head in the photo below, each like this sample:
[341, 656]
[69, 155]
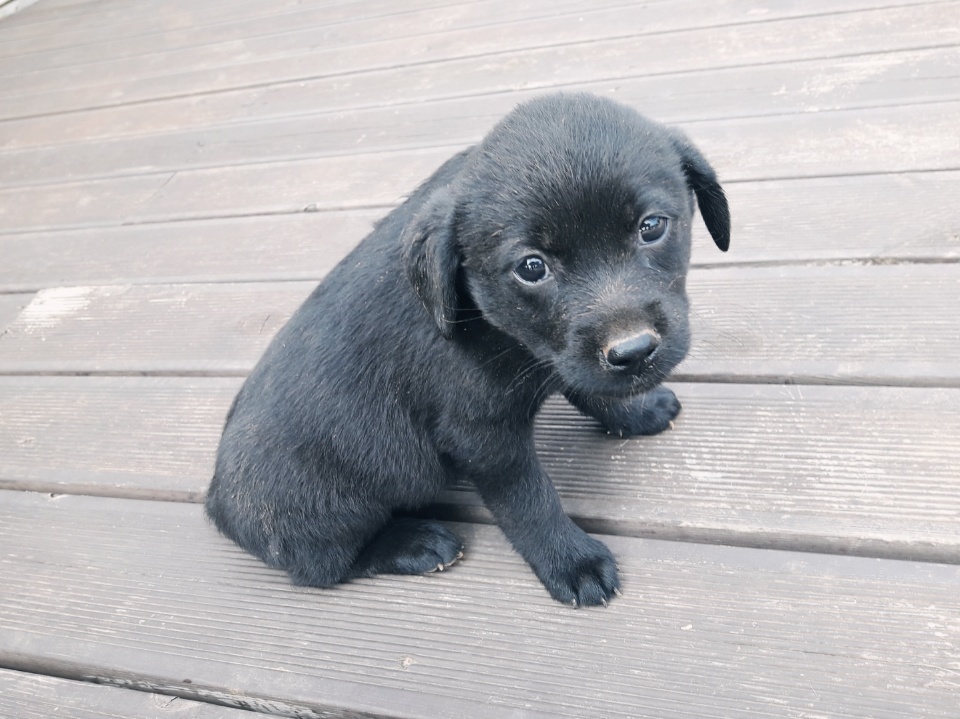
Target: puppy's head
[569, 228]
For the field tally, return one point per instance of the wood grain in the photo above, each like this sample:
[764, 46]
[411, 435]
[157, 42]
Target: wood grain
[151, 437]
[782, 221]
[827, 324]
[275, 247]
[100, 23]
[216, 328]
[795, 146]
[868, 324]
[904, 78]
[32, 696]
[10, 306]
[235, 34]
[396, 72]
[174, 182]
[847, 470]
[146, 590]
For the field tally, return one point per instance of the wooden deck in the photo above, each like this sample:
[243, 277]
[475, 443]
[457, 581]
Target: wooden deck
[174, 179]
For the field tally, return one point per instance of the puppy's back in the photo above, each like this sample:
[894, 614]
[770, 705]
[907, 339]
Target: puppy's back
[322, 425]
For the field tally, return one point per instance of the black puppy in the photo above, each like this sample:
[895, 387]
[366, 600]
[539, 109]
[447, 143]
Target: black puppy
[550, 257]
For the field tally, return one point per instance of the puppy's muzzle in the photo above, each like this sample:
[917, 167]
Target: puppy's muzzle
[630, 355]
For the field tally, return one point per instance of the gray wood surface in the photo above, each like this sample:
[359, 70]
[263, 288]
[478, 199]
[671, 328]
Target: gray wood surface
[187, 329]
[762, 465]
[10, 306]
[101, 22]
[9, 7]
[149, 437]
[277, 247]
[210, 39]
[808, 220]
[917, 76]
[700, 631]
[723, 48]
[807, 145]
[915, 25]
[33, 696]
[771, 324]
[174, 182]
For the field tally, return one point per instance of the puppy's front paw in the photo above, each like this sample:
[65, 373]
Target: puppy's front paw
[586, 575]
[649, 413]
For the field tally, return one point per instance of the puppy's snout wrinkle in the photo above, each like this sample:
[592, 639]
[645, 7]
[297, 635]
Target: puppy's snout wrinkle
[630, 353]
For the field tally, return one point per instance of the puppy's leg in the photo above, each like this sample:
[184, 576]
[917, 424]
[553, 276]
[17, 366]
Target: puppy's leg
[408, 546]
[575, 568]
[648, 413]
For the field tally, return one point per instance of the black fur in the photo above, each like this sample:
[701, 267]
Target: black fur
[423, 356]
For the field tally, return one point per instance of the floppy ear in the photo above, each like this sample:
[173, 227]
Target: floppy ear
[431, 258]
[702, 179]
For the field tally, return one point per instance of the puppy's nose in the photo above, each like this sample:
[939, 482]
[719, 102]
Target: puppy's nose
[629, 353]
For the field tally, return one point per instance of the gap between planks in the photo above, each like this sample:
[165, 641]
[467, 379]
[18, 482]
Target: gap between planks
[310, 25]
[762, 48]
[807, 146]
[791, 467]
[774, 223]
[774, 90]
[35, 694]
[237, 109]
[356, 33]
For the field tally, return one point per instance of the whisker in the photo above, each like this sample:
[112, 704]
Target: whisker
[495, 357]
[526, 371]
[545, 389]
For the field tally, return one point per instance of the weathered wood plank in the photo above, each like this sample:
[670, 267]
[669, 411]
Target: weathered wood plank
[155, 328]
[99, 24]
[275, 247]
[769, 324]
[299, 30]
[225, 108]
[756, 465]
[871, 324]
[809, 145]
[9, 7]
[886, 29]
[904, 78]
[10, 306]
[848, 470]
[852, 142]
[51, 15]
[51, 9]
[328, 184]
[822, 219]
[152, 437]
[541, 69]
[33, 696]
[80, 204]
[827, 219]
[700, 631]
[453, 31]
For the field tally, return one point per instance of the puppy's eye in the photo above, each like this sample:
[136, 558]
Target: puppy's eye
[532, 269]
[653, 228]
